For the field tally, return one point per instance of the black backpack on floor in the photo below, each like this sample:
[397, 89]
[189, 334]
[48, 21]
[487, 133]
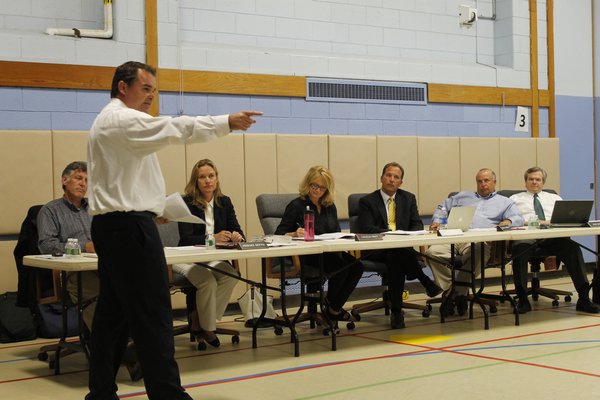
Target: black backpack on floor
[16, 323]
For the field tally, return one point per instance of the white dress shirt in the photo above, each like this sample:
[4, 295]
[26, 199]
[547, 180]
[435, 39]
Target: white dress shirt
[524, 200]
[124, 173]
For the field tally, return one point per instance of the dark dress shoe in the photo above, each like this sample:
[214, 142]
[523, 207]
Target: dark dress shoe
[462, 304]
[397, 321]
[523, 306]
[586, 305]
[432, 289]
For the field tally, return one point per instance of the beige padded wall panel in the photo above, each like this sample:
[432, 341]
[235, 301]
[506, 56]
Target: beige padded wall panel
[439, 170]
[261, 177]
[403, 150]
[26, 162]
[172, 165]
[261, 174]
[516, 155]
[228, 155]
[67, 146]
[477, 153]
[352, 160]
[548, 157]
[295, 155]
[8, 272]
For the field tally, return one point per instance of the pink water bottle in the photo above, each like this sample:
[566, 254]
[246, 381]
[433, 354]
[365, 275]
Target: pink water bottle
[309, 225]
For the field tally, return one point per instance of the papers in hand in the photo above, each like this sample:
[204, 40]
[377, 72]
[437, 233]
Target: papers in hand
[401, 232]
[177, 210]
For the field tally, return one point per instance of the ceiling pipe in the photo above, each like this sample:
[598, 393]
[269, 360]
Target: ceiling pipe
[107, 33]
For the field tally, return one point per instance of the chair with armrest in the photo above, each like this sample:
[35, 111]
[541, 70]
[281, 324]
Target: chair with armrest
[540, 257]
[376, 267]
[492, 262]
[270, 208]
[169, 234]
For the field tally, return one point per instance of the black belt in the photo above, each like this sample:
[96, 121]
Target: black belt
[147, 214]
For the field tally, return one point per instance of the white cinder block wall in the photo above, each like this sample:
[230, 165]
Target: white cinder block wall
[415, 40]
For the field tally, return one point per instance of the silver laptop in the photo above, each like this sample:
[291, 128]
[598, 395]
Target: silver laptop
[461, 217]
[571, 213]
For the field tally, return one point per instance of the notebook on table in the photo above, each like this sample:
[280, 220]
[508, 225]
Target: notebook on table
[461, 218]
[571, 213]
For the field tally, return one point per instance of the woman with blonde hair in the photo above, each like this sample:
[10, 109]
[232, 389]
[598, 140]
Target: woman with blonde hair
[204, 199]
[317, 191]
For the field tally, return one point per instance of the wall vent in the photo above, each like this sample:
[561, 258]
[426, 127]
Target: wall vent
[362, 91]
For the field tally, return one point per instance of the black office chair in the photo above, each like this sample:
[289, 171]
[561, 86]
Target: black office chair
[270, 208]
[376, 267]
[540, 257]
[169, 234]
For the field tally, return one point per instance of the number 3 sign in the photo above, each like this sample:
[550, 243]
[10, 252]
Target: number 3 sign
[522, 122]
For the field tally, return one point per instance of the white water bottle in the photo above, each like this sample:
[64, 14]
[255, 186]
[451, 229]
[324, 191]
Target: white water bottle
[443, 218]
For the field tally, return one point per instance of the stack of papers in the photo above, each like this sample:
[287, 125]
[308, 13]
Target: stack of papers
[401, 232]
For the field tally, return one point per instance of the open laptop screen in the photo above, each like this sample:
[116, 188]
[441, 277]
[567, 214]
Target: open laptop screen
[571, 212]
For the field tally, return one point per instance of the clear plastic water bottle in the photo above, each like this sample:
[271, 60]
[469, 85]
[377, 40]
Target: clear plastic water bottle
[443, 218]
[210, 241]
[72, 248]
[68, 247]
[309, 225]
[533, 223]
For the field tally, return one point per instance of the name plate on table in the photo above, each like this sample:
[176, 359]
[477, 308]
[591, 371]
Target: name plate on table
[450, 232]
[363, 237]
[251, 245]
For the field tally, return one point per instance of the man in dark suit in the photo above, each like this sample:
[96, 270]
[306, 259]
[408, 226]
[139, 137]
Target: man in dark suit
[388, 209]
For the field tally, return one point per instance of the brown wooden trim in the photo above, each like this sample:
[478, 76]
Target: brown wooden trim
[152, 44]
[533, 60]
[442, 93]
[68, 76]
[551, 83]
[62, 76]
[232, 83]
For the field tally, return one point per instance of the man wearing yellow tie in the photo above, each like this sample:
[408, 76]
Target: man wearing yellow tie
[389, 209]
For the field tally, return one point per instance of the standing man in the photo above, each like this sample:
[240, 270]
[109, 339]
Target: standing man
[492, 210]
[537, 203]
[127, 192]
[390, 209]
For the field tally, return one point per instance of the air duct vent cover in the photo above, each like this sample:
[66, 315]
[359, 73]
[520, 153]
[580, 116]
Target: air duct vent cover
[362, 91]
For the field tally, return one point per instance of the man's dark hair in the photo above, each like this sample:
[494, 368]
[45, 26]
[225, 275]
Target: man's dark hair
[72, 167]
[536, 169]
[128, 73]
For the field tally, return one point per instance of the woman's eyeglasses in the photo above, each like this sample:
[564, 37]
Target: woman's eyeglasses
[314, 186]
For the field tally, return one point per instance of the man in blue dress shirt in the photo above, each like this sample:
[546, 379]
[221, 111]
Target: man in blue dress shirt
[492, 210]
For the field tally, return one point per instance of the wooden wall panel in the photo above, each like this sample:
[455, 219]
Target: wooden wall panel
[67, 146]
[475, 154]
[516, 155]
[26, 162]
[173, 167]
[8, 273]
[548, 157]
[404, 151]
[295, 155]
[352, 161]
[439, 170]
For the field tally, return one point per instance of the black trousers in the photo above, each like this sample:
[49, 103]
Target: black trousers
[400, 263]
[134, 300]
[565, 249]
[341, 284]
